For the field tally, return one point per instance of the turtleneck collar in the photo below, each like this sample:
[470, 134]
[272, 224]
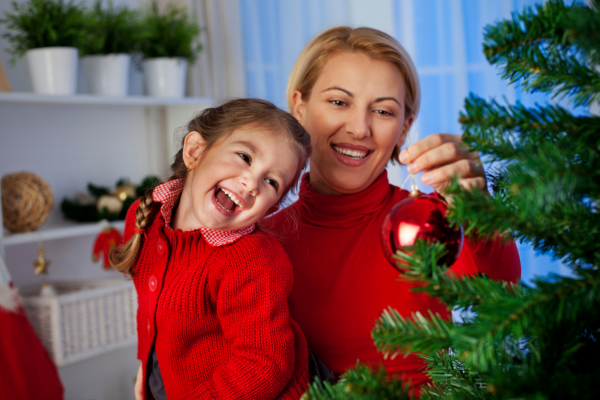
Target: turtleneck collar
[343, 211]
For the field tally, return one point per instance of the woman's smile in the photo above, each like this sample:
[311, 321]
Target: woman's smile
[351, 155]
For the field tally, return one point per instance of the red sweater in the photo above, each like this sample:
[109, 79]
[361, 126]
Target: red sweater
[218, 316]
[342, 280]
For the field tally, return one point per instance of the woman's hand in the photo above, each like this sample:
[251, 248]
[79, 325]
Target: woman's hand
[441, 157]
[138, 384]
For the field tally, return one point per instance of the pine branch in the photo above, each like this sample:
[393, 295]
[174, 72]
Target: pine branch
[421, 263]
[451, 379]
[507, 317]
[394, 334]
[543, 214]
[360, 383]
[540, 50]
[504, 132]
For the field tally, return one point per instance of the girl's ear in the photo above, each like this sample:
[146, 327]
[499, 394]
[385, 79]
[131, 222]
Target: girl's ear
[299, 106]
[193, 146]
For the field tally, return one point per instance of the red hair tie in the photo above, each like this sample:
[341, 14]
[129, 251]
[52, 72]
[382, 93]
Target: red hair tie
[140, 231]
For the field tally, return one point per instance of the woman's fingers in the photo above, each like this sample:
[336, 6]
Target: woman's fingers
[436, 150]
[442, 176]
[138, 384]
[442, 157]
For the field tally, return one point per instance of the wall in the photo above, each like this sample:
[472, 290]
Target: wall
[69, 146]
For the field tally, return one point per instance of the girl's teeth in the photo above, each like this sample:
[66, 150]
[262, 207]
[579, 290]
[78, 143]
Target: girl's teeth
[232, 197]
[350, 153]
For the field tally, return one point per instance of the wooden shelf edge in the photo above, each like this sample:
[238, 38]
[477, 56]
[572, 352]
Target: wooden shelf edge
[68, 230]
[87, 99]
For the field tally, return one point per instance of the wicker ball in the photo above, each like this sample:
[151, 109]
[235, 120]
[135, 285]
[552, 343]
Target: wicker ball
[26, 201]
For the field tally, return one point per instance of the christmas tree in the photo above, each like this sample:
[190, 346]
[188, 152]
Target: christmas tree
[518, 342]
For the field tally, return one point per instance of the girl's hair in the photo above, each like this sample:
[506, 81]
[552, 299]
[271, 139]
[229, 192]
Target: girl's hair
[214, 124]
[370, 42]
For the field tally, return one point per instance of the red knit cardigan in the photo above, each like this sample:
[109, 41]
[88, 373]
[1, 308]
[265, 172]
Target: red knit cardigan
[218, 316]
[343, 281]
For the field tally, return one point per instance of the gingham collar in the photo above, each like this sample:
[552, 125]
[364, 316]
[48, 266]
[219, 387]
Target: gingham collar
[168, 193]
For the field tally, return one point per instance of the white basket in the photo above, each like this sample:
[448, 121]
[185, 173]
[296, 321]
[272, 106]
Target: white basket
[84, 319]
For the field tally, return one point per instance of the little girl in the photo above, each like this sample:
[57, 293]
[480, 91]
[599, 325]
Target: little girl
[212, 287]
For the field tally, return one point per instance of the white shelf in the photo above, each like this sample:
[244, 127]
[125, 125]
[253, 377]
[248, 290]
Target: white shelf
[86, 99]
[58, 230]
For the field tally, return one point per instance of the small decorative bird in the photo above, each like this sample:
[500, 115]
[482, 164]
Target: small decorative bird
[41, 264]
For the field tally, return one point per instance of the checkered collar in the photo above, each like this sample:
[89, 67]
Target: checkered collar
[169, 192]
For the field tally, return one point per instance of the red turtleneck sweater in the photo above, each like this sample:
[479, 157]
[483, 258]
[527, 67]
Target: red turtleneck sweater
[342, 280]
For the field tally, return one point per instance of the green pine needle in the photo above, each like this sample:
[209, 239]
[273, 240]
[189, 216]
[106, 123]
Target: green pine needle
[360, 383]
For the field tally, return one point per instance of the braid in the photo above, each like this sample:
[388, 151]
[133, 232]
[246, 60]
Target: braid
[123, 258]
[144, 211]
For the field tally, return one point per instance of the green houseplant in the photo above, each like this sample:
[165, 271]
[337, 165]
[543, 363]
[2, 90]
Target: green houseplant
[170, 43]
[113, 35]
[48, 33]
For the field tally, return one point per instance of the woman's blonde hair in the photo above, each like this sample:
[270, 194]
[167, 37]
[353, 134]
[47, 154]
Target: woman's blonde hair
[370, 42]
[214, 124]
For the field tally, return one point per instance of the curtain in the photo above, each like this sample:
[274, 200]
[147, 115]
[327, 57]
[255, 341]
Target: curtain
[219, 72]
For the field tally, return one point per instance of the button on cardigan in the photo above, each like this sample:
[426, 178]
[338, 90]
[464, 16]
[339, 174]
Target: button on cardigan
[218, 316]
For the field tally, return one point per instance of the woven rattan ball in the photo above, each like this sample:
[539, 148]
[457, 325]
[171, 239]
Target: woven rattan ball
[26, 201]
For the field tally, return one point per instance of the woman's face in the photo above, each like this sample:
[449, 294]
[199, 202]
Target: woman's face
[355, 118]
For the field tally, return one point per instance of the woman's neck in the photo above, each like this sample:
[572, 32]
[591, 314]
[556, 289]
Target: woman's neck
[319, 184]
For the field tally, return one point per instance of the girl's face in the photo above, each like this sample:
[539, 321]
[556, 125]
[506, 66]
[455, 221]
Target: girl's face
[355, 118]
[236, 182]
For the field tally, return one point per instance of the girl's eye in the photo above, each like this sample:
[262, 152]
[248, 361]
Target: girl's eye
[273, 183]
[337, 102]
[245, 157]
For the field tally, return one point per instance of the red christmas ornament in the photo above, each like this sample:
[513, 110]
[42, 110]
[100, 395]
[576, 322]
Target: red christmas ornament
[108, 239]
[420, 217]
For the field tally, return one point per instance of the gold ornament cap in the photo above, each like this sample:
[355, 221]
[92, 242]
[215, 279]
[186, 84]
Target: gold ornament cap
[414, 191]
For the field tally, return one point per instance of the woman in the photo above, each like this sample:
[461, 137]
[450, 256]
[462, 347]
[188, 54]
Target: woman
[356, 92]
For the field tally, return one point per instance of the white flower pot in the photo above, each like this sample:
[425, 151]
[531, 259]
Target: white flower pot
[53, 69]
[107, 75]
[165, 77]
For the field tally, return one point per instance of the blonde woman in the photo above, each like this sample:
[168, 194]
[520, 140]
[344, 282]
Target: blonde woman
[356, 92]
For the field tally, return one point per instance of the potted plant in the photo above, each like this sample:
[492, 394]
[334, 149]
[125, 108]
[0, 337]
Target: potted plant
[47, 33]
[170, 43]
[113, 34]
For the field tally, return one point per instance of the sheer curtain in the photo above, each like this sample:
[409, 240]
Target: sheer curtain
[444, 37]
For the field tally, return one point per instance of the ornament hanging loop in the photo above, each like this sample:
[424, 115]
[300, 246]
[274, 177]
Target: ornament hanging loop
[414, 191]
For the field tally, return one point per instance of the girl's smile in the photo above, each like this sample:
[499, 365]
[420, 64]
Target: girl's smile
[237, 181]
[228, 201]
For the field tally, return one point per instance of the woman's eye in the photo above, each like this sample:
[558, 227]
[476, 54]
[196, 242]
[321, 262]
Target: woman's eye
[272, 182]
[337, 102]
[245, 157]
[383, 112]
